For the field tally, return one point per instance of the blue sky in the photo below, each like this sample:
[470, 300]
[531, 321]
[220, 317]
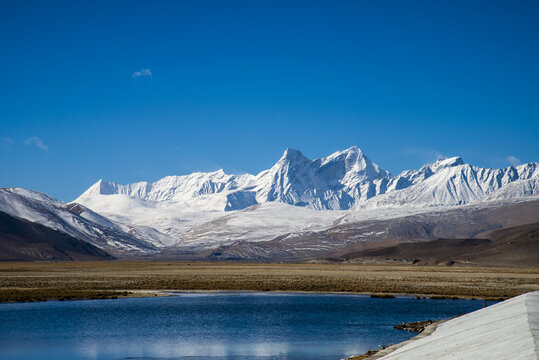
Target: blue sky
[137, 90]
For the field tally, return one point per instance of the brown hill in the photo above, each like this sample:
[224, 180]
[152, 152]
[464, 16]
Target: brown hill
[512, 246]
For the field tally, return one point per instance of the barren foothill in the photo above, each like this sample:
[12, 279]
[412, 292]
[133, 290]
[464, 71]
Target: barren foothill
[32, 281]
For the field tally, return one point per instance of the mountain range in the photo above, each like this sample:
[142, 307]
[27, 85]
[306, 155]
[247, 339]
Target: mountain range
[342, 181]
[200, 213]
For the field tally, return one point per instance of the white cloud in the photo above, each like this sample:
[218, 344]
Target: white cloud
[142, 73]
[514, 161]
[37, 142]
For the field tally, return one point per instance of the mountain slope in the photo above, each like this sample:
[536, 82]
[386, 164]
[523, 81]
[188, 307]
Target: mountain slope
[350, 235]
[517, 245]
[25, 240]
[256, 223]
[73, 219]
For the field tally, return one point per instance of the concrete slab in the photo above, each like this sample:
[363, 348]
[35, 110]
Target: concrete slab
[507, 330]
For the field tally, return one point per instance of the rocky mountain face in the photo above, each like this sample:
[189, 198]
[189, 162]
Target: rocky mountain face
[335, 182]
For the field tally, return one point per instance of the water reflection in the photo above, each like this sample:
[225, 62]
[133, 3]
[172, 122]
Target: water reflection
[168, 350]
[214, 325]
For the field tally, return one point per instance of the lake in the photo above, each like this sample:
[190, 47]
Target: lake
[223, 325]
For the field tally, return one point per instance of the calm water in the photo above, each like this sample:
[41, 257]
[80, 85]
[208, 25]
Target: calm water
[217, 326]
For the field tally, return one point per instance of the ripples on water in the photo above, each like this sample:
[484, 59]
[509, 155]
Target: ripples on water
[249, 326]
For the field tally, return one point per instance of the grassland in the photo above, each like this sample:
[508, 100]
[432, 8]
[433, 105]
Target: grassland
[31, 281]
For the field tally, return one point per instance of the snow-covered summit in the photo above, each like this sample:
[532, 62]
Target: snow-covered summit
[450, 182]
[333, 182]
[172, 188]
[340, 181]
[357, 162]
[337, 181]
[445, 162]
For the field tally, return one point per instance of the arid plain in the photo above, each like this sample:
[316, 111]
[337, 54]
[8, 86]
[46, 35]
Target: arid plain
[37, 281]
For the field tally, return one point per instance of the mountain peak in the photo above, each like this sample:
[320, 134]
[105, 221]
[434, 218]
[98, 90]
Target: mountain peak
[293, 155]
[356, 161]
[219, 172]
[105, 187]
[453, 161]
[353, 149]
[101, 187]
[444, 162]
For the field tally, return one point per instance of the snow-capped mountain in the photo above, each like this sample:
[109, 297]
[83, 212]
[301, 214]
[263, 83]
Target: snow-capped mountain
[450, 182]
[341, 181]
[72, 219]
[296, 195]
[294, 198]
[184, 189]
[335, 182]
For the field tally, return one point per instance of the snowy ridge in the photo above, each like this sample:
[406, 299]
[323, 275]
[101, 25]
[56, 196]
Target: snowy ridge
[343, 180]
[451, 182]
[294, 198]
[73, 219]
[335, 182]
[182, 188]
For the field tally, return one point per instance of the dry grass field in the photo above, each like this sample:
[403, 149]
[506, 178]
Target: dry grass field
[33, 281]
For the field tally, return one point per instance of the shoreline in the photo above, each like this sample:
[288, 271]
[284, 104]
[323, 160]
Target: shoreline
[502, 331]
[373, 295]
[136, 293]
[21, 282]
[385, 350]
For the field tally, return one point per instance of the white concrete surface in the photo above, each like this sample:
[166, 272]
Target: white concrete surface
[507, 330]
